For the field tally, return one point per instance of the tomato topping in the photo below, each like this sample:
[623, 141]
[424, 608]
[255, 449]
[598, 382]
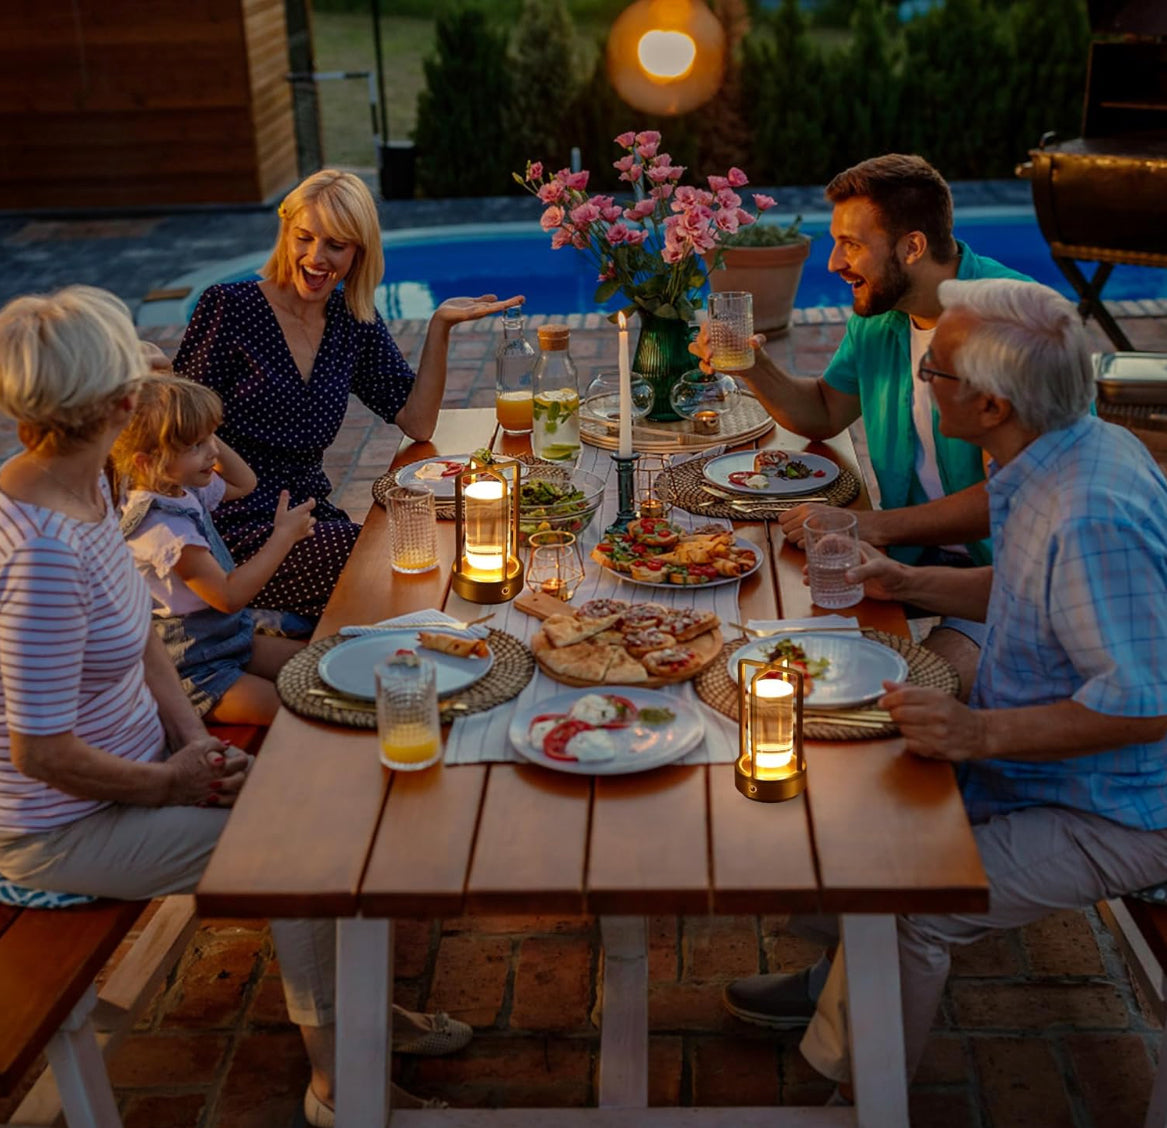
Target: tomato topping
[738, 477]
[404, 650]
[604, 547]
[451, 469]
[556, 740]
[702, 570]
[820, 473]
[628, 711]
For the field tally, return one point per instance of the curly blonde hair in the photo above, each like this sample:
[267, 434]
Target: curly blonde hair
[65, 360]
[350, 216]
[173, 413]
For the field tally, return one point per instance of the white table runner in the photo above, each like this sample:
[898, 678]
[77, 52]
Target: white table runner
[483, 738]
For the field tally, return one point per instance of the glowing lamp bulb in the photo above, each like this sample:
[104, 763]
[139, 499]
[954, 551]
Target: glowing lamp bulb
[666, 54]
[486, 523]
[775, 748]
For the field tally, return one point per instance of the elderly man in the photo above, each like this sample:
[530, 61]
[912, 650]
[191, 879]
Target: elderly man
[1062, 756]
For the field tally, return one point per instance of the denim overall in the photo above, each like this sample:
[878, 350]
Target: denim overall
[210, 648]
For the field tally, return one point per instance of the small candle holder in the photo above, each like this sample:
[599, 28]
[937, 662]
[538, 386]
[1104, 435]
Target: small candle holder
[770, 765]
[624, 494]
[706, 423]
[651, 499]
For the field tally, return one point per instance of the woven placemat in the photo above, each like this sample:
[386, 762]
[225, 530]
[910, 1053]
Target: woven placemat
[445, 506]
[747, 419]
[514, 666]
[719, 691]
[684, 485]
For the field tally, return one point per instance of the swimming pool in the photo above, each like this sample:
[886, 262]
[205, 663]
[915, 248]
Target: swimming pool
[426, 265]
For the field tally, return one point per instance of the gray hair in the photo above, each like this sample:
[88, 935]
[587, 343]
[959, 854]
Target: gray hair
[1028, 347]
[64, 358]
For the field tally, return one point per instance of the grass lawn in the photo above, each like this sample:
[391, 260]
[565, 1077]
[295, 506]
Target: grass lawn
[344, 41]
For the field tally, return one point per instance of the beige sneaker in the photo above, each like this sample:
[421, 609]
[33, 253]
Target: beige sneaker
[321, 1115]
[430, 1035]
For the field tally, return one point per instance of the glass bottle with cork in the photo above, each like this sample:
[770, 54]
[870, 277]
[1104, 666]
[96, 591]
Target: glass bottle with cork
[555, 437]
[514, 363]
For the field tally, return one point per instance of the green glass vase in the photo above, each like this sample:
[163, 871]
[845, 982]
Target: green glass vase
[662, 358]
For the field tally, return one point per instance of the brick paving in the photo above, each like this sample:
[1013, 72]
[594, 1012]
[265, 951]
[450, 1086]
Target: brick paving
[1039, 1026]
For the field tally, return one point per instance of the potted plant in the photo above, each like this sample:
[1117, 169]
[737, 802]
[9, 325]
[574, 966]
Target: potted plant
[766, 259]
[648, 248]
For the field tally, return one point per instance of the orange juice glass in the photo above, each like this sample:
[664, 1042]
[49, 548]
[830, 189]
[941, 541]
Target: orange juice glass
[408, 726]
[514, 411]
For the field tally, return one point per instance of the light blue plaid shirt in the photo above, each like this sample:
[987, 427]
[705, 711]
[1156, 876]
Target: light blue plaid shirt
[1078, 610]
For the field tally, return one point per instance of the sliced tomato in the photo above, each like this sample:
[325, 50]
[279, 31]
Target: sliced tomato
[628, 711]
[703, 570]
[738, 477]
[556, 740]
[452, 468]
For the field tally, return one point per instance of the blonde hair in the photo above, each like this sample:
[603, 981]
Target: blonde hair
[173, 413]
[350, 216]
[65, 359]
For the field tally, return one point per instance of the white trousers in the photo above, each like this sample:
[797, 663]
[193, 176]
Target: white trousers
[1038, 861]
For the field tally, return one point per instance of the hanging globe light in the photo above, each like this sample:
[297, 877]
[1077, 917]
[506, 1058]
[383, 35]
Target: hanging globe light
[666, 56]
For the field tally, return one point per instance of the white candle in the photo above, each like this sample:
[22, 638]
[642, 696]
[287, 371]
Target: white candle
[624, 448]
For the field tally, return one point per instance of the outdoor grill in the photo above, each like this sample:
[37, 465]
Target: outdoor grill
[1102, 197]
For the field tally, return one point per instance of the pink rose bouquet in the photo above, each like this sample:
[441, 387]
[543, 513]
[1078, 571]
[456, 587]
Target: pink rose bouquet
[649, 248]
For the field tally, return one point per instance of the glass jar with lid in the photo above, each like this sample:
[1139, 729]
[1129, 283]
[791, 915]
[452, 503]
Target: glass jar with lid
[555, 407]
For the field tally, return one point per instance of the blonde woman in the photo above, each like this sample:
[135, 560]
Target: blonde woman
[109, 783]
[285, 353]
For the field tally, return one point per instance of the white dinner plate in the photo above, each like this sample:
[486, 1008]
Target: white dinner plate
[439, 487]
[349, 666]
[718, 470]
[858, 668]
[639, 748]
[739, 542]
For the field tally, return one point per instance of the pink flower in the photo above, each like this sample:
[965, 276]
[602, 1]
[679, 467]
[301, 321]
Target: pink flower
[550, 193]
[727, 198]
[718, 183]
[561, 238]
[744, 218]
[648, 137]
[647, 151]
[552, 218]
[629, 169]
[580, 241]
[608, 273]
[763, 203]
[737, 178]
[535, 171]
[659, 174]
[617, 234]
[661, 191]
[626, 140]
[640, 210]
[726, 219]
[689, 197]
[636, 237]
[577, 181]
[676, 172]
[585, 214]
[612, 214]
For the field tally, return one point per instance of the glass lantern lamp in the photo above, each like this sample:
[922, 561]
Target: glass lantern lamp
[770, 765]
[487, 568]
[704, 398]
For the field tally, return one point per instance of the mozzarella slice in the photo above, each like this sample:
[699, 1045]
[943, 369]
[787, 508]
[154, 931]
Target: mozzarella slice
[539, 730]
[595, 709]
[591, 746]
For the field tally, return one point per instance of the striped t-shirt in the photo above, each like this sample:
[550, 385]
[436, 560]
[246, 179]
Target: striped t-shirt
[74, 617]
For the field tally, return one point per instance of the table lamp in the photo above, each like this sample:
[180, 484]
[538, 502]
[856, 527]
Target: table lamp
[487, 568]
[770, 765]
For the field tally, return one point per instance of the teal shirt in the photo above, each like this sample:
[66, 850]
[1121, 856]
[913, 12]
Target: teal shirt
[874, 362]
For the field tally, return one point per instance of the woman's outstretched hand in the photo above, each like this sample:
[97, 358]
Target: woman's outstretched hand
[454, 310]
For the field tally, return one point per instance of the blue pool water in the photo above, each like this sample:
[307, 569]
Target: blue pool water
[424, 266]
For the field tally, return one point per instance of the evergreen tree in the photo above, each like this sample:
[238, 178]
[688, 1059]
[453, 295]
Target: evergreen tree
[463, 145]
[866, 122]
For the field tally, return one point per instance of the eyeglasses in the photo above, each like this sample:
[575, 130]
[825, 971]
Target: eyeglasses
[928, 374]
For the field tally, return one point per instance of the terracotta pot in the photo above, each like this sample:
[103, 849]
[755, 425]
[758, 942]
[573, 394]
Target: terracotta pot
[771, 274]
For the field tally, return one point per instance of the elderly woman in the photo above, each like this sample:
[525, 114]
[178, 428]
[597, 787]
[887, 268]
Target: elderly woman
[285, 353]
[109, 783]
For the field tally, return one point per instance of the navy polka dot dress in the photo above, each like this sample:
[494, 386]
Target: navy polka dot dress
[281, 424]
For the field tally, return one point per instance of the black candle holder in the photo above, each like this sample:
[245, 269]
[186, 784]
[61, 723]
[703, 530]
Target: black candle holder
[624, 492]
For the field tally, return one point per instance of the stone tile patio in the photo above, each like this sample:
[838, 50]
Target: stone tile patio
[1039, 1026]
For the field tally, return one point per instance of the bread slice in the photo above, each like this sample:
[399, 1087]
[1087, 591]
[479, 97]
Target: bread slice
[566, 630]
[624, 669]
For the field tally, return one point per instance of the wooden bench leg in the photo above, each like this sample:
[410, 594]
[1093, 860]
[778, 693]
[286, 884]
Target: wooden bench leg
[1157, 1109]
[364, 956]
[77, 1064]
[875, 1021]
[624, 1019]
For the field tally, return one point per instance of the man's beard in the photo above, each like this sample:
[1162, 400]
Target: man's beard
[879, 295]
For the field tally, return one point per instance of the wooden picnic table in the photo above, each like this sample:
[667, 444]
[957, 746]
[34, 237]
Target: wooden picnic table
[323, 830]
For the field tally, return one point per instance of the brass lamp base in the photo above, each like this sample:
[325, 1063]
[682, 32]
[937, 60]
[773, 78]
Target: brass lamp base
[474, 590]
[769, 790]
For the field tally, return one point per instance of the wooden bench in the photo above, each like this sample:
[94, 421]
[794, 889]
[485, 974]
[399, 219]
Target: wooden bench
[1141, 931]
[49, 959]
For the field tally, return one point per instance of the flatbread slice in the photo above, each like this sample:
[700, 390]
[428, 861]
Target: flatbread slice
[586, 661]
[566, 630]
[624, 669]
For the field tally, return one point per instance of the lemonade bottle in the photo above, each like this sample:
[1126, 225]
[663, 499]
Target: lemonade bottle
[556, 403]
[514, 361]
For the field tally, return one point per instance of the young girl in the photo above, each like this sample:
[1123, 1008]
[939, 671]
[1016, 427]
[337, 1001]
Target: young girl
[174, 473]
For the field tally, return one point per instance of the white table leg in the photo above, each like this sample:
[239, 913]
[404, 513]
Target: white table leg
[875, 1023]
[624, 1016]
[364, 985]
[79, 1069]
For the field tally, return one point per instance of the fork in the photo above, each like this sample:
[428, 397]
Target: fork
[788, 630]
[436, 623]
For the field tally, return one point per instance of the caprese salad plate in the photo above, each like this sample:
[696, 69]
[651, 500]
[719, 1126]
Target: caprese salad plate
[614, 732]
[771, 473]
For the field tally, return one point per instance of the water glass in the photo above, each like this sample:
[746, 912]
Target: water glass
[408, 726]
[413, 529]
[731, 325]
[556, 565]
[832, 546]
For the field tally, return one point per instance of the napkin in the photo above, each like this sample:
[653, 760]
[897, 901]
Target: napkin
[437, 619]
[816, 622]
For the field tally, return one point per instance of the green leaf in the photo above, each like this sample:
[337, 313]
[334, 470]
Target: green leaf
[667, 310]
[696, 279]
[518, 178]
[650, 304]
[605, 290]
[684, 309]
